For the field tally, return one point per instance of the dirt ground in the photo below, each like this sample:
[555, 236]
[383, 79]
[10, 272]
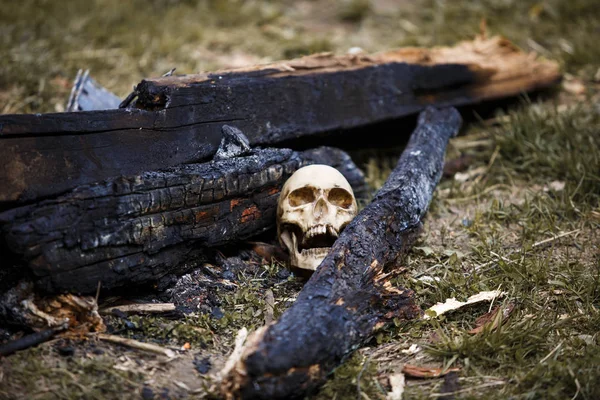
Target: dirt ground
[522, 217]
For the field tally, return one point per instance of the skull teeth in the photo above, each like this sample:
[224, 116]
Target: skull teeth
[317, 251]
[332, 231]
[320, 230]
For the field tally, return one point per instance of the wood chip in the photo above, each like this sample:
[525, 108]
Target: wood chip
[397, 382]
[452, 304]
[269, 306]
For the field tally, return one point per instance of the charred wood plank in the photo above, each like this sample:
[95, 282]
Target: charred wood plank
[178, 119]
[349, 296]
[136, 229]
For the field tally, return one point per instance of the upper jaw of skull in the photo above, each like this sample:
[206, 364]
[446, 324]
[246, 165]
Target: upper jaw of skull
[309, 247]
[315, 205]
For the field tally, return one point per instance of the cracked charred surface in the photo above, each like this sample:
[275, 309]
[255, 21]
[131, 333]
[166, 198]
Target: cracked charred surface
[136, 229]
[349, 296]
[178, 119]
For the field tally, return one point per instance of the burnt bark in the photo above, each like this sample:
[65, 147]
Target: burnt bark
[178, 119]
[136, 229]
[349, 296]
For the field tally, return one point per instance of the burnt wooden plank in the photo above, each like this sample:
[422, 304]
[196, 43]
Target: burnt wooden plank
[177, 119]
[349, 297]
[135, 229]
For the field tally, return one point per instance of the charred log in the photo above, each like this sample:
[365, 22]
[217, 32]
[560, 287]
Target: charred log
[349, 297]
[178, 119]
[136, 229]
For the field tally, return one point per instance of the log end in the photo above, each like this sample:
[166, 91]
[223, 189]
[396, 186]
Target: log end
[256, 372]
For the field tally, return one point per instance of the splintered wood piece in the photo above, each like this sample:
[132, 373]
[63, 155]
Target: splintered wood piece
[177, 119]
[136, 229]
[142, 308]
[349, 297]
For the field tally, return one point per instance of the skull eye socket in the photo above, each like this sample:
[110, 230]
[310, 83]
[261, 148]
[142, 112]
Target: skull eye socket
[299, 197]
[340, 197]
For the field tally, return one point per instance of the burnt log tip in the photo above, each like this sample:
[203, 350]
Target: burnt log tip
[256, 373]
[446, 117]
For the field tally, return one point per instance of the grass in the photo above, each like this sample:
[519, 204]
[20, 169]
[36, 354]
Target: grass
[39, 373]
[507, 238]
[244, 306]
[545, 143]
[524, 218]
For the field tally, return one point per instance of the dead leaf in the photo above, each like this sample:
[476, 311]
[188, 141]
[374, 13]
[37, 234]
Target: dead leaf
[414, 371]
[452, 304]
[456, 165]
[269, 251]
[492, 319]
[427, 251]
[397, 382]
[556, 186]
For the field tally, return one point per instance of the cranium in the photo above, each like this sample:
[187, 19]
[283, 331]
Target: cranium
[316, 203]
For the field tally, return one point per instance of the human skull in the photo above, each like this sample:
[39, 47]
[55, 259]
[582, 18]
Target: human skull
[315, 204]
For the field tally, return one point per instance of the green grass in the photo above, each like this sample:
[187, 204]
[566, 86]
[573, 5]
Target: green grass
[542, 143]
[40, 373]
[547, 348]
[43, 43]
[244, 306]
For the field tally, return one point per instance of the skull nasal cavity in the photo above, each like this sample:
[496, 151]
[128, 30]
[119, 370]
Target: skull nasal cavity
[320, 208]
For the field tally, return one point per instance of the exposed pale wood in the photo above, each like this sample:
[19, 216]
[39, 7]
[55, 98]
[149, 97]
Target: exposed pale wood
[144, 308]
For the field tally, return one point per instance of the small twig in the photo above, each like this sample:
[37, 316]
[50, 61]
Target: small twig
[236, 354]
[145, 308]
[170, 72]
[489, 166]
[465, 145]
[30, 340]
[269, 306]
[74, 91]
[475, 196]
[521, 251]
[153, 348]
[552, 352]
[98, 291]
[359, 376]
[127, 101]
[536, 244]
[433, 395]
[577, 384]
